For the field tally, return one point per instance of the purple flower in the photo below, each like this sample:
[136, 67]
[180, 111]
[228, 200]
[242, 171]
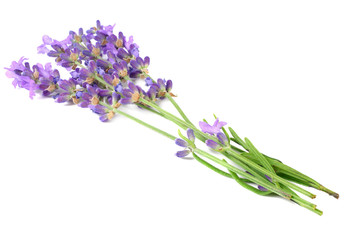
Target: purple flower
[23, 76]
[212, 144]
[188, 144]
[268, 178]
[69, 91]
[105, 113]
[181, 143]
[161, 87]
[222, 138]
[124, 55]
[70, 58]
[92, 96]
[148, 81]
[131, 94]
[132, 47]
[183, 153]
[48, 78]
[89, 74]
[261, 188]
[42, 49]
[190, 134]
[216, 146]
[140, 67]
[121, 68]
[214, 129]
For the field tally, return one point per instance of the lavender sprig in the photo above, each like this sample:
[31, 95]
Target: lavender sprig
[103, 68]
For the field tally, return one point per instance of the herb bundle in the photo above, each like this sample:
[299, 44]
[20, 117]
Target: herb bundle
[104, 69]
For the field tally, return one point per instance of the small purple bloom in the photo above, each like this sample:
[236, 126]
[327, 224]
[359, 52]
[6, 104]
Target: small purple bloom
[140, 67]
[105, 113]
[190, 134]
[268, 178]
[121, 68]
[222, 138]
[148, 81]
[261, 188]
[214, 129]
[212, 144]
[132, 94]
[183, 153]
[186, 144]
[23, 76]
[42, 49]
[181, 143]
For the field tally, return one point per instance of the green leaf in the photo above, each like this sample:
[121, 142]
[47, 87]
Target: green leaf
[215, 169]
[238, 139]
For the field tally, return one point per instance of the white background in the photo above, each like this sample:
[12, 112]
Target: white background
[283, 73]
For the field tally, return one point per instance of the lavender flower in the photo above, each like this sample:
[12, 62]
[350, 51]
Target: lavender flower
[214, 129]
[105, 113]
[48, 78]
[101, 65]
[132, 94]
[261, 188]
[121, 68]
[69, 91]
[212, 144]
[92, 96]
[224, 142]
[140, 67]
[187, 143]
[23, 76]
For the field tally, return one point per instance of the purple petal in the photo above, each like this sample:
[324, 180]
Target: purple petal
[127, 93]
[126, 101]
[87, 97]
[222, 138]
[161, 83]
[63, 97]
[146, 61]
[98, 109]
[140, 61]
[132, 87]
[169, 85]
[148, 81]
[205, 127]
[268, 178]
[190, 134]
[219, 124]
[91, 90]
[261, 188]
[212, 144]
[183, 153]
[84, 104]
[104, 118]
[47, 40]
[134, 64]
[181, 142]
[42, 49]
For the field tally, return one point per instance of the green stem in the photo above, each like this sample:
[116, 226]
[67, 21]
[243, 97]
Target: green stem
[177, 120]
[168, 135]
[247, 186]
[270, 174]
[181, 112]
[243, 174]
[232, 152]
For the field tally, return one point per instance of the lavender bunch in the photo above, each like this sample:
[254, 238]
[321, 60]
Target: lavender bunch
[104, 69]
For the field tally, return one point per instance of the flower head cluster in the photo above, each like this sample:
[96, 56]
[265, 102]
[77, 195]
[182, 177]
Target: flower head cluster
[103, 68]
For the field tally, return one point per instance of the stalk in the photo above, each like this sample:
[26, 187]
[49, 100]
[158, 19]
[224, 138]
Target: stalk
[168, 135]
